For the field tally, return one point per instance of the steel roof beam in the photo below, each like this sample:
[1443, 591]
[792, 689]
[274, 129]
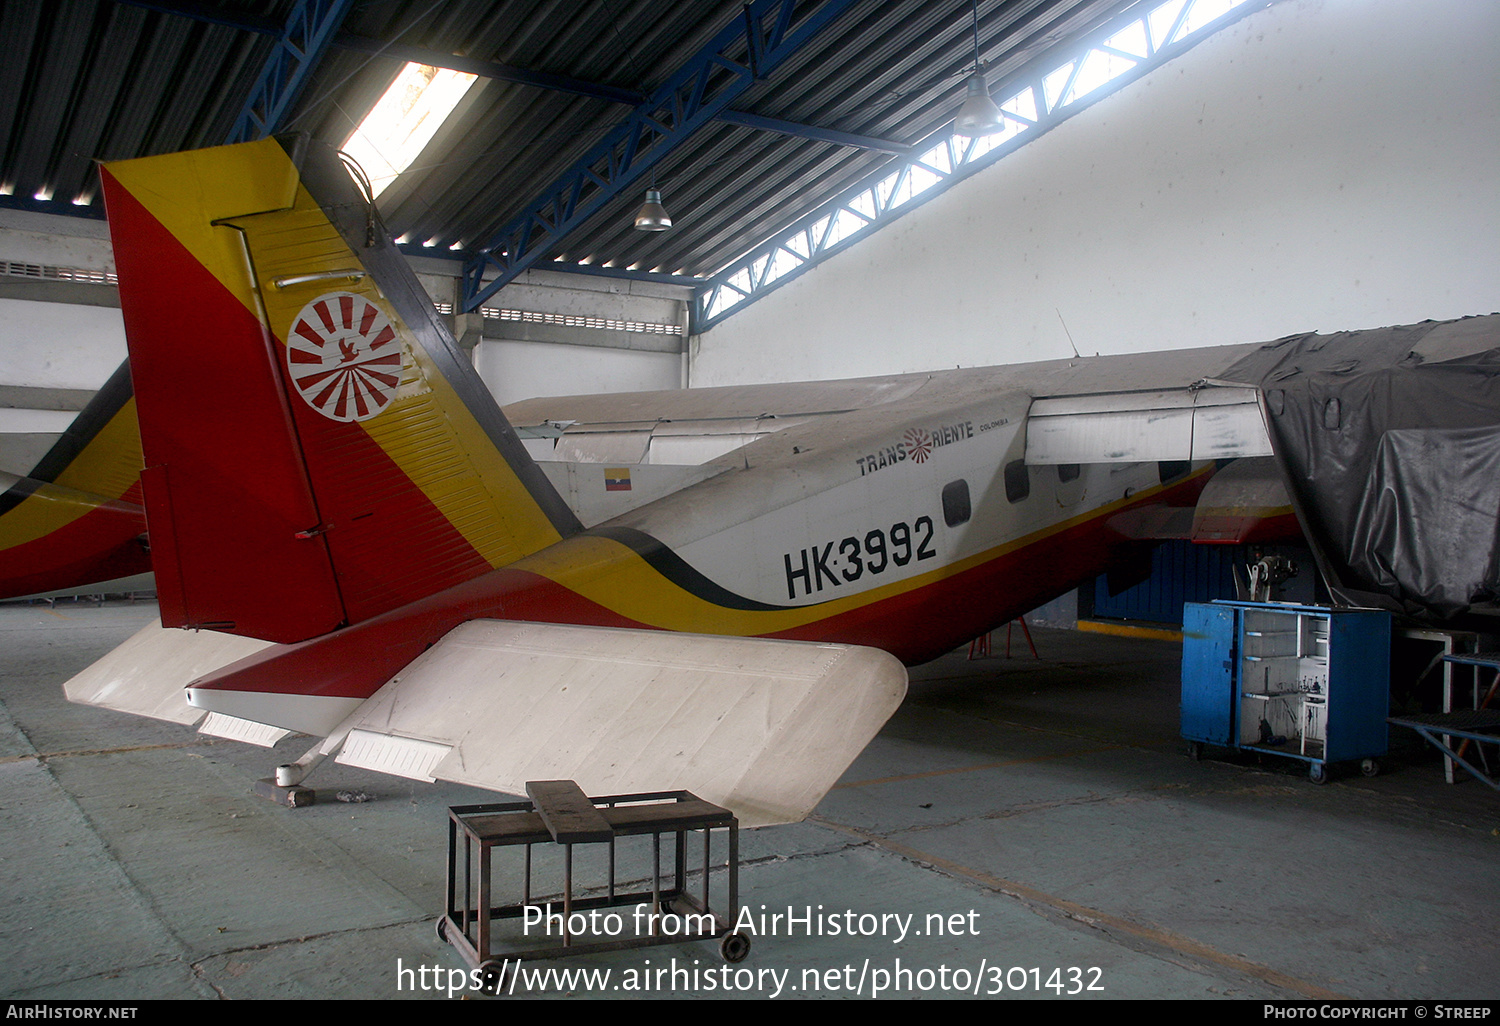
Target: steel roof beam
[299, 47]
[828, 135]
[696, 94]
[598, 91]
[487, 69]
[412, 249]
[519, 76]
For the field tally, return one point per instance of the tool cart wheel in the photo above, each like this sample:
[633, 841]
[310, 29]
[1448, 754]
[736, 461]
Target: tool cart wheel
[1318, 773]
[491, 975]
[735, 947]
[442, 929]
[1370, 768]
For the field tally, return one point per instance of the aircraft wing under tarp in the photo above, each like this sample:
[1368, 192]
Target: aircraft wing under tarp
[762, 727]
[1389, 439]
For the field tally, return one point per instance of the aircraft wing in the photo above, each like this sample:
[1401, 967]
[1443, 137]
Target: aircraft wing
[1100, 409]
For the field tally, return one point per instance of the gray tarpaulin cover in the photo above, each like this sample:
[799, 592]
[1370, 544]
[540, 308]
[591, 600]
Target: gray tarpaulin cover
[1390, 443]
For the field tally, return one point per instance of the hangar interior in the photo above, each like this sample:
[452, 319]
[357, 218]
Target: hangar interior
[1168, 175]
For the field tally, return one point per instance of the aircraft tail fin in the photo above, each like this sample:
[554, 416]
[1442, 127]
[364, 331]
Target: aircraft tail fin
[317, 451]
[74, 519]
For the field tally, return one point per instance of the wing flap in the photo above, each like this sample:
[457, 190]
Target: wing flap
[1135, 427]
[762, 727]
[235, 729]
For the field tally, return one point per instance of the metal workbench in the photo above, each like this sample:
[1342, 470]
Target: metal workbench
[575, 918]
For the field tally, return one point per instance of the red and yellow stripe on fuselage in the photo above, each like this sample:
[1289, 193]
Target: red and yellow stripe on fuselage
[596, 580]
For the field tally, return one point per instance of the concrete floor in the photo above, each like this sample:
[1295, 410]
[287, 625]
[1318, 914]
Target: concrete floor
[1048, 806]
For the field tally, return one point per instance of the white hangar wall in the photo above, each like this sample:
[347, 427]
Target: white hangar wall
[1321, 165]
[575, 334]
[61, 333]
[51, 334]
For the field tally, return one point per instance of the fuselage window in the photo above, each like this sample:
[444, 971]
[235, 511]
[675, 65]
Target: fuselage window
[956, 508]
[1017, 480]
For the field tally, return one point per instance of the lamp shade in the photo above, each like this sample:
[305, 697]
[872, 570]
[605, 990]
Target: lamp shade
[978, 115]
[653, 216]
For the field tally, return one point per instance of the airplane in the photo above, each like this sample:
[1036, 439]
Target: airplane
[712, 589]
[74, 522]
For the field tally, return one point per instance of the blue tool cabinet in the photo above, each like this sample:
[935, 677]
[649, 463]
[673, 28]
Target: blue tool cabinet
[1304, 682]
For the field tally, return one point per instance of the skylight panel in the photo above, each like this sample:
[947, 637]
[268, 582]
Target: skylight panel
[1164, 20]
[404, 121]
[1205, 11]
[1130, 40]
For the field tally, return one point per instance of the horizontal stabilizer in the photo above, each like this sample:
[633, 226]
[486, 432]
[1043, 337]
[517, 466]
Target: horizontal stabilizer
[147, 674]
[761, 727]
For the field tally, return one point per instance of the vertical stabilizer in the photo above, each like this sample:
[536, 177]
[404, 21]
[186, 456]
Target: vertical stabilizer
[75, 519]
[316, 453]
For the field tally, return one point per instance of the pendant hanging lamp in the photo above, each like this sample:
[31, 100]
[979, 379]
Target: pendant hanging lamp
[979, 115]
[653, 216]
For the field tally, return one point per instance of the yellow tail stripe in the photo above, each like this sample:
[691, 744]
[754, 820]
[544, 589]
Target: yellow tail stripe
[187, 192]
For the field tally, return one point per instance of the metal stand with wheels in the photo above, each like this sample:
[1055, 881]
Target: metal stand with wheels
[573, 920]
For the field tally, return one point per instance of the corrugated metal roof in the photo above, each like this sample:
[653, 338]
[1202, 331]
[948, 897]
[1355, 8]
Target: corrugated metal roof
[105, 79]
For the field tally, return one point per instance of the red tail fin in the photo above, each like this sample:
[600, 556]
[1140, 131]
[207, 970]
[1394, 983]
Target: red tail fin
[75, 519]
[316, 452]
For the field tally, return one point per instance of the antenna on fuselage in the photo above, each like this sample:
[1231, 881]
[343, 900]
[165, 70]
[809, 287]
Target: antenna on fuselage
[1068, 333]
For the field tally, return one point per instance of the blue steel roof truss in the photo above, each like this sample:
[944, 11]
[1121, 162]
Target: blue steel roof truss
[750, 278]
[693, 96]
[751, 46]
[309, 29]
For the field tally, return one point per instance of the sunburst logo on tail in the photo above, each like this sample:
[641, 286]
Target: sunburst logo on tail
[344, 357]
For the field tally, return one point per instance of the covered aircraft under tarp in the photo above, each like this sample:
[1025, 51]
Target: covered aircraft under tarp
[1389, 440]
